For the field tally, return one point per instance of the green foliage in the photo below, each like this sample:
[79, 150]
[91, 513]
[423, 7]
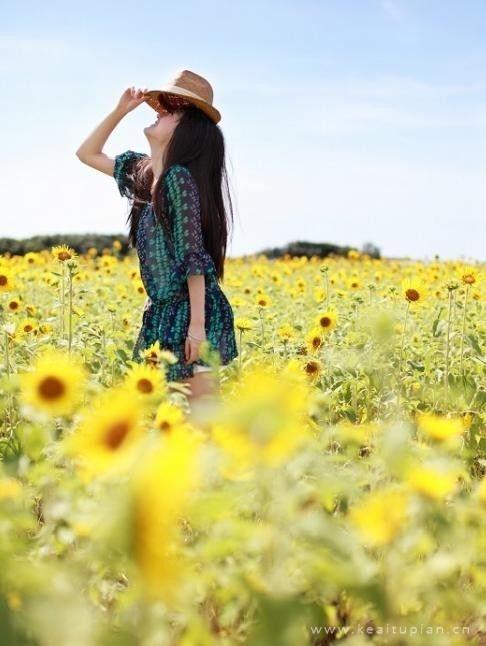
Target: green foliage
[319, 249]
[80, 242]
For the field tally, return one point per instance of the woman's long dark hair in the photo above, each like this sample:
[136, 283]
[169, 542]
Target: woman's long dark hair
[197, 143]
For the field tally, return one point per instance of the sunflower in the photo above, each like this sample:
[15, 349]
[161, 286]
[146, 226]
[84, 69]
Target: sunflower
[151, 355]
[313, 369]
[13, 305]
[28, 326]
[244, 324]
[351, 433]
[327, 320]
[154, 354]
[9, 488]
[54, 384]
[46, 328]
[7, 283]
[414, 291]
[139, 287]
[146, 381]
[319, 294]
[433, 481]
[468, 274]
[353, 283]
[168, 417]
[262, 300]
[31, 258]
[108, 262]
[314, 340]
[381, 515]
[276, 278]
[267, 422]
[161, 488]
[440, 428]
[109, 434]
[63, 253]
[286, 332]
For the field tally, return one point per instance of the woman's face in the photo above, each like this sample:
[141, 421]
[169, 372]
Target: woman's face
[160, 131]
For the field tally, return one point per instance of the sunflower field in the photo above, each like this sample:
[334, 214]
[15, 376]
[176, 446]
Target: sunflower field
[333, 491]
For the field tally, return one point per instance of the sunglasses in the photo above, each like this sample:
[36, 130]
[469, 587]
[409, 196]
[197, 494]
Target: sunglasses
[172, 102]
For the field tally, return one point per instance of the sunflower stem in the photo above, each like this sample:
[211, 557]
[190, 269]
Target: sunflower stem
[448, 341]
[8, 415]
[241, 345]
[62, 299]
[354, 394]
[463, 331]
[70, 330]
[273, 350]
[103, 356]
[400, 359]
[7, 355]
[260, 309]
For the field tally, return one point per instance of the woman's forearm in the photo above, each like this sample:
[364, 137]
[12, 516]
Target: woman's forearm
[196, 285]
[93, 145]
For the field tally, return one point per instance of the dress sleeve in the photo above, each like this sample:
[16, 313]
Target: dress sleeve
[124, 163]
[191, 257]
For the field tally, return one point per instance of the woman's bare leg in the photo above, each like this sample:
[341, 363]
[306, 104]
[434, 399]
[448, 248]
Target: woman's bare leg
[203, 385]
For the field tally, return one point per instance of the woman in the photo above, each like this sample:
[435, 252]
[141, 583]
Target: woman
[178, 223]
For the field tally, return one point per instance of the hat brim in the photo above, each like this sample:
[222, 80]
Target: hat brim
[151, 98]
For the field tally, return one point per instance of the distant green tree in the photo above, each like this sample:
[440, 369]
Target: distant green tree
[80, 242]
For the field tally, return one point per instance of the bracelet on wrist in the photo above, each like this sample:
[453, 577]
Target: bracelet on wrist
[196, 338]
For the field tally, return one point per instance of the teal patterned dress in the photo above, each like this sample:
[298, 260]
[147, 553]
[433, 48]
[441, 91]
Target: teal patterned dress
[165, 265]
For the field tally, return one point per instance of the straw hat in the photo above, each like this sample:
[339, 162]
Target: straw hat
[192, 87]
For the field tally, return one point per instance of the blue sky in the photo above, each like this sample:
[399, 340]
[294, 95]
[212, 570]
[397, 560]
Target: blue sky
[345, 121]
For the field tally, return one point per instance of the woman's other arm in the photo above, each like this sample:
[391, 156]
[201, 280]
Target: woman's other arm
[91, 150]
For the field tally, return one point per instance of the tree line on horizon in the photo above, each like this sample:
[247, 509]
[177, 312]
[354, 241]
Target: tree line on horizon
[83, 243]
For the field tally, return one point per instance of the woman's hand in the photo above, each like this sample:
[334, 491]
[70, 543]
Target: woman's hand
[91, 150]
[192, 347]
[131, 98]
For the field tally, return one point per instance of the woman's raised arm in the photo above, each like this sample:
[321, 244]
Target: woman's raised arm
[91, 150]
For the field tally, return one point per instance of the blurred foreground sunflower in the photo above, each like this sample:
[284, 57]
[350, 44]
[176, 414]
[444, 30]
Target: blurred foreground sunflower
[161, 486]
[108, 435]
[54, 384]
[146, 381]
[381, 515]
[435, 482]
[440, 428]
[268, 421]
